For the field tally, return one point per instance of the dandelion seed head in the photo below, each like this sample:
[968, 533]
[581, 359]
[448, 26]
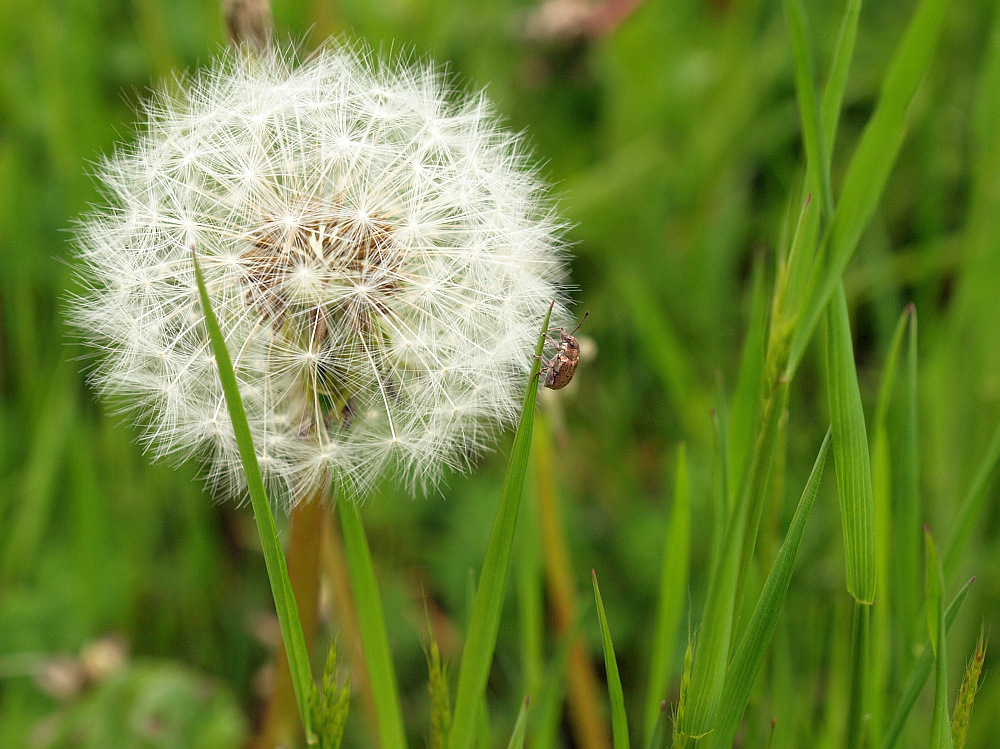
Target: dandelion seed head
[379, 252]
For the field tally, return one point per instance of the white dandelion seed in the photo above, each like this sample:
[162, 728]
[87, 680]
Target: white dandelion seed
[378, 250]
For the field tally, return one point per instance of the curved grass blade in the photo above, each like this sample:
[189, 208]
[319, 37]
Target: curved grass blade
[907, 524]
[661, 731]
[940, 725]
[274, 557]
[520, 728]
[817, 162]
[619, 720]
[673, 584]
[919, 674]
[746, 399]
[484, 623]
[971, 506]
[371, 620]
[882, 484]
[749, 655]
[833, 94]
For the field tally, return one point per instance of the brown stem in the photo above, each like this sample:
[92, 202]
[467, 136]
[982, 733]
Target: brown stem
[250, 22]
[586, 714]
[342, 603]
[282, 724]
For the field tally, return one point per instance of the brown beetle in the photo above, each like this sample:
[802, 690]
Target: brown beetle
[561, 367]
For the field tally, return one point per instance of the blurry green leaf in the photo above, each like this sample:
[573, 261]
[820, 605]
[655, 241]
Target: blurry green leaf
[882, 478]
[547, 716]
[660, 737]
[666, 353]
[477, 656]
[274, 557]
[673, 587]
[971, 507]
[619, 720]
[747, 399]
[149, 704]
[520, 727]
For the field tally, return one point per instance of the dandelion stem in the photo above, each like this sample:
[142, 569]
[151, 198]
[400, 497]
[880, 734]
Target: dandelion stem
[250, 22]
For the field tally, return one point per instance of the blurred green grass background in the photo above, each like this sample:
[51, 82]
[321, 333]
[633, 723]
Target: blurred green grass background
[674, 143]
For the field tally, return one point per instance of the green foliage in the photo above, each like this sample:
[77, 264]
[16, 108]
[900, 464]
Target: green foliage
[685, 144]
[148, 704]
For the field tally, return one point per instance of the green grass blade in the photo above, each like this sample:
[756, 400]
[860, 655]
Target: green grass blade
[871, 163]
[769, 742]
[971, 507]
[711, 656]
[919, 674]
[274, 557]
[530, 592]
[749, 655]
[619, 720]
[882, 481]
[908, 508]
[520, 727]
[749, 385]
[805, 87]
[833, 94]
[673, 588]
[484, 623]
[371, 620]
[661, 730]
[890, 369]
[850, 451]
[940, 724]
[860, 674]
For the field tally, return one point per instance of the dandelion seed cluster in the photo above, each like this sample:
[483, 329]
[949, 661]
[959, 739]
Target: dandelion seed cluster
[379, 252]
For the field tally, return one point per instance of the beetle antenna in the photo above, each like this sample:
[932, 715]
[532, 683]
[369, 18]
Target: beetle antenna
[581, 322]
